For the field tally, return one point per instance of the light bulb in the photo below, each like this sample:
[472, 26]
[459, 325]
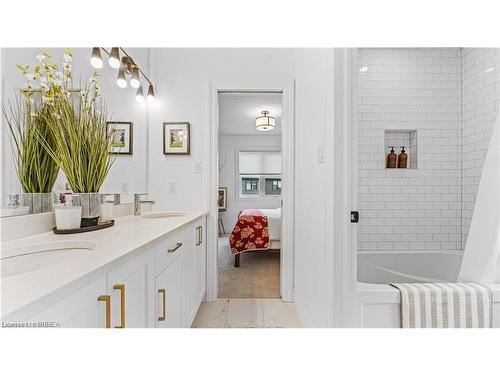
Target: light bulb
[151, 93]
[114, 58]
[134, 80]
[121, 80]
[139, 96]
[96, 59]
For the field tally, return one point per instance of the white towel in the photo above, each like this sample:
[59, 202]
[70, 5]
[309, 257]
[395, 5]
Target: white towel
[445, 305]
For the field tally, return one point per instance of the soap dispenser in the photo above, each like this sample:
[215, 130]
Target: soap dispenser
[402, 158]
[391, 158]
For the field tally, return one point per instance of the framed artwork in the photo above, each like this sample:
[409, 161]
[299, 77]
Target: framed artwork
[176, 138]
[122, 135]
[222, 199]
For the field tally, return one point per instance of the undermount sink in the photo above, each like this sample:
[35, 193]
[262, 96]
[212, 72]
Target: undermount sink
[18, 260]
[160, 214]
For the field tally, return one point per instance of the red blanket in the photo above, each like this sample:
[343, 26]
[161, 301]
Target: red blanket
[250, 232]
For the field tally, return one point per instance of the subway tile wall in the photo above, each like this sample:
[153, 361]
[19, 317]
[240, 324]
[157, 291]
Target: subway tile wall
[480, 98]
[410, 89]
[450, 96]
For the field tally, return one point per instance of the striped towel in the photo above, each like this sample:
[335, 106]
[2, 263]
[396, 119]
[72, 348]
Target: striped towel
[445, 305]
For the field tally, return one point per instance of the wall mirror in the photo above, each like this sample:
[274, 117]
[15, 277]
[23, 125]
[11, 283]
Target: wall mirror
[129, 171]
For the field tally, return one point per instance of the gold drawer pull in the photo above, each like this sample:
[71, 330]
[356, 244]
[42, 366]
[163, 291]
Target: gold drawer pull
[107, 299]
[121, 288]
[175, 248]
[164, 314]
[199, 235]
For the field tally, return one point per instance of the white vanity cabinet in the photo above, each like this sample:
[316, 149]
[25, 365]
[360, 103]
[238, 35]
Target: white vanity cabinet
[168, 296]
[194, 271]
[181, 287]
[80, 309]
[158, 285]
[130, 286]
[200, 263]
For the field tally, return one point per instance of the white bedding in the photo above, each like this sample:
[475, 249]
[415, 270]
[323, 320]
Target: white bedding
[274, 222]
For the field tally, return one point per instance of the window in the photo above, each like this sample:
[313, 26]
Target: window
[250, 186]
[259, 174]
[273, 186]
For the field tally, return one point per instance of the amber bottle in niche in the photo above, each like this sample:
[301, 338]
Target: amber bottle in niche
[402, 158]
[391, 159]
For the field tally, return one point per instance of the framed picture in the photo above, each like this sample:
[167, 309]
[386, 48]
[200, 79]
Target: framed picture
[122, 135]
[176, 138]
[222, 199]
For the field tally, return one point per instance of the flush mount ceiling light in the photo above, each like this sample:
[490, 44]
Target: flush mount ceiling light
[265, 122]
[96, 59]
[127, 68]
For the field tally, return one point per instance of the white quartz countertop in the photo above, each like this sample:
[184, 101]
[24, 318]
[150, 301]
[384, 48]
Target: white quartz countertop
[129, 235]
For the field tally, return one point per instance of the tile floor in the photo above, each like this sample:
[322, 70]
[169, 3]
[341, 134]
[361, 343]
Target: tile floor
[247, 313]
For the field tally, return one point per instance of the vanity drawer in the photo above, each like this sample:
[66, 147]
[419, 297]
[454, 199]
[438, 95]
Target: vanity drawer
[169, 250]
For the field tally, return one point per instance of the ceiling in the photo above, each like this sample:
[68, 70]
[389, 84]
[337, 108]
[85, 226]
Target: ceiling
[237, 112]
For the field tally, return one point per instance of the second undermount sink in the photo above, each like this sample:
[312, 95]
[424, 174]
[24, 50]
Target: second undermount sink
[22, 259]
[160, 214]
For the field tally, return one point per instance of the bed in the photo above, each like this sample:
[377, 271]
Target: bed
[256, 230]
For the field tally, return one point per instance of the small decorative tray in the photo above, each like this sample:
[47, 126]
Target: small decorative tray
[84, 229]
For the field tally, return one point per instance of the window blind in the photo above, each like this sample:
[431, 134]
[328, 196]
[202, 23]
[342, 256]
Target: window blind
[260, 162]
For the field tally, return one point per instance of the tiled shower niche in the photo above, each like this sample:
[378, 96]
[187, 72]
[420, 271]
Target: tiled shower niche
[402, 138]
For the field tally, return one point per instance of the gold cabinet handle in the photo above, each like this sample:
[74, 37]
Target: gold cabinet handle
[164, 314]
[107, 299]
[174, 249]
[121, 288]
[199, 235]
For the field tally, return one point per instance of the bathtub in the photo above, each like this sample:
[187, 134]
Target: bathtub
[378, 303]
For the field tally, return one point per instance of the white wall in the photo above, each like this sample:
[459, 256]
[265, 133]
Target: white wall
[228, 146]
[481, 100]
[311, 74]
[121, 106]
[182, 77]
[410, 89]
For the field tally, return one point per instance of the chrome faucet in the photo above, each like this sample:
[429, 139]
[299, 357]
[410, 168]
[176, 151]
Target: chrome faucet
[14, 200]
[116, 198]
[138, 201]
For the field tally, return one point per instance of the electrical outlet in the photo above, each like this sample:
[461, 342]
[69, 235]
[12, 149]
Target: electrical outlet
[124, 187]
[197, 167]
[321, 153]
[172, 187]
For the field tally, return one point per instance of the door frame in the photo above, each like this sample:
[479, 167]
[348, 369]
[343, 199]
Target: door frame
[286, 88]
[341, 177]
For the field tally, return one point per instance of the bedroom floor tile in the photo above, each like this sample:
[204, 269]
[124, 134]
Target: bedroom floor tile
[247, 313]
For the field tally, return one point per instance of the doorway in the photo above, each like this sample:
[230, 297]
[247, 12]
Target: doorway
[249, 195]
[283, 92]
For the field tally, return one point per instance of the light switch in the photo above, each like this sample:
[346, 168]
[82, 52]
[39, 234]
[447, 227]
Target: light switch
[197, 167]
[172, 187]
[321, 153]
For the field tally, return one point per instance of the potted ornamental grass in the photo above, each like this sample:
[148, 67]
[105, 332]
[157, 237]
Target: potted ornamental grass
[26, 119]
[81, 146]
[54, 127]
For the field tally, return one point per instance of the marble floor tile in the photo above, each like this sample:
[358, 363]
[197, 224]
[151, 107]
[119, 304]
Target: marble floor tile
[278, 314]
[247, 313]
[212, 314]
